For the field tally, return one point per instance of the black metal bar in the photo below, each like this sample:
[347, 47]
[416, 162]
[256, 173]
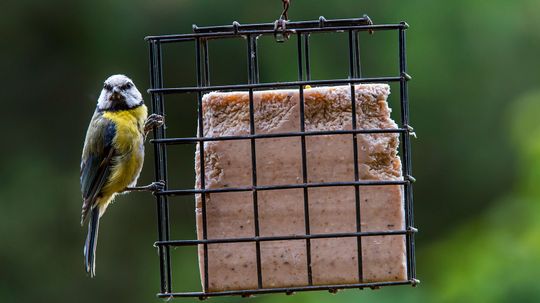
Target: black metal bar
[179, 192]
[173, 141]
[154, 70]
[206, 64]
[163, 167]
[285, 238]
[404, 101]
[191, 37]
[352, 73]
[284, 290]
[255, 59]
[255, 86]
[251, 54]
[201, 161]
[404, 137]
[205, 82]
[358, 65]
[307, 57]
[304, 156]
[290, 25]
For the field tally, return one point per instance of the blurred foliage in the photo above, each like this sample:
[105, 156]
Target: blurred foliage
[474, 103]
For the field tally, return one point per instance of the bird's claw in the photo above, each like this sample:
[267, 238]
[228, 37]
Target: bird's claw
[153, 121]
[157, 186]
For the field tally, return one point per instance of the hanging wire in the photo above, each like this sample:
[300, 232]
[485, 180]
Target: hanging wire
[286, 4]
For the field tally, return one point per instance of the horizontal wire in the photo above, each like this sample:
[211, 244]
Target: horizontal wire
[194, 89]
[288, 290]
[236, 27]
[410, 230]
[180, 192]
[172, 141]
[189, 37]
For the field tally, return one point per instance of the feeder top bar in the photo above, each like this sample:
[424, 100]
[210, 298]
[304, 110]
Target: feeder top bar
[236, 29]
[291, 25]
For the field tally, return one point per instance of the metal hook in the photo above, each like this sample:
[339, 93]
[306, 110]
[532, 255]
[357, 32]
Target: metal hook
[280, 31]
[369, 22]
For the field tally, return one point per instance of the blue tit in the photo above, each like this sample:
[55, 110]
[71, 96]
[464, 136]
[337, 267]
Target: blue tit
[113, 154]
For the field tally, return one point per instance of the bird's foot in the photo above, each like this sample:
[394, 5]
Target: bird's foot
[153, 187]
[157, 186]
[153, 121]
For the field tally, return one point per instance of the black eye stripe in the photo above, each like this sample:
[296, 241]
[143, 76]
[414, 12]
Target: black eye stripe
[126, 86]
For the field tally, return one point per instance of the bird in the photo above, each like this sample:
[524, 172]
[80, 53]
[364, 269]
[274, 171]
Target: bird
[113, 154]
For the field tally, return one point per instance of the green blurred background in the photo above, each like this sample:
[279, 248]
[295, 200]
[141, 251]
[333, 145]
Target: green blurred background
[475, 103]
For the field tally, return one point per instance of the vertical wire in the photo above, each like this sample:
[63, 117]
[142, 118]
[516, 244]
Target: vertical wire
[157, 164]
[308, 60]
[163, 167]
[206, 63]
[252, 78]
[206, 82]
[200, 133]
[304, 157]
[354, 61]
[255, 60]
[358, 64]
[411, 271]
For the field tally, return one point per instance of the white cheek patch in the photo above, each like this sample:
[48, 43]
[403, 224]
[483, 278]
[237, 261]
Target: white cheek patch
[103, 100]
[133, 97]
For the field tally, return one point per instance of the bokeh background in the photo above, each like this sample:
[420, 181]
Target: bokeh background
[475, 103]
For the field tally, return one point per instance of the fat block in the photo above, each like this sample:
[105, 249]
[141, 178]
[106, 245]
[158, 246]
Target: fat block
[329, 158]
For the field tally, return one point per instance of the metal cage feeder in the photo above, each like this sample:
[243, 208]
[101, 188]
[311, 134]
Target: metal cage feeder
[282, 30]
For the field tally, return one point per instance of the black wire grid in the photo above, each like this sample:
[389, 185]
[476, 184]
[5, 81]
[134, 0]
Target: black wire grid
[250, 32]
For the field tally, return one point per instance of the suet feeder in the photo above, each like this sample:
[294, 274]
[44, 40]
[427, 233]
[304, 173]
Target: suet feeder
[267, 226]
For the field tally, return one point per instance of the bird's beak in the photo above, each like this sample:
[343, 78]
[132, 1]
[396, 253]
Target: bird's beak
[116, 95]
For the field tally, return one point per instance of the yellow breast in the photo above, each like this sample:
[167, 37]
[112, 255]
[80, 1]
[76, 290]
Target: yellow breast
[129, 126]
[128, 143]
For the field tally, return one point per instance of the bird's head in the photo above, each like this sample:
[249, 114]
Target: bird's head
[119, 93]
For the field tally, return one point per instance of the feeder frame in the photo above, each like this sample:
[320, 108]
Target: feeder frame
[250, 32]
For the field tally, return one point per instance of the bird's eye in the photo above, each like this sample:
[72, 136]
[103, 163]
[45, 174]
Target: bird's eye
[107, 87]
[127, 86]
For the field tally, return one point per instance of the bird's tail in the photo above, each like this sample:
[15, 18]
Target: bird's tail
[91, 243]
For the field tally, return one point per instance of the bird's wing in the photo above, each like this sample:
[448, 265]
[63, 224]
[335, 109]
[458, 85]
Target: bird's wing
[96, 160]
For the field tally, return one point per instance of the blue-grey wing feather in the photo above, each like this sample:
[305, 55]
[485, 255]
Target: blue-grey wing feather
[96, 160]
